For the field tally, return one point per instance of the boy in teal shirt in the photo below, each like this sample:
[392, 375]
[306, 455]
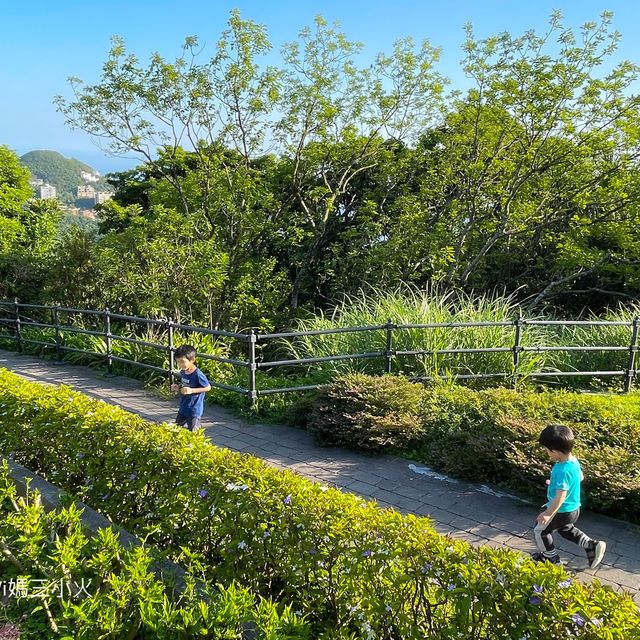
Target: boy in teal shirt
[563, 505]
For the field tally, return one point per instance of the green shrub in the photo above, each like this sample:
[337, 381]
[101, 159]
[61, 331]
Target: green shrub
[491, 435]
[355, 570]
[370, 413]
[93, 588]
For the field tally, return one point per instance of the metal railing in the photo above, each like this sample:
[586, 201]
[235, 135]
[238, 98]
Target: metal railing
[15, 319]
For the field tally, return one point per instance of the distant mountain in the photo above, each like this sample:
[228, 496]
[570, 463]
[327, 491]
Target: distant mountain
[63, 173]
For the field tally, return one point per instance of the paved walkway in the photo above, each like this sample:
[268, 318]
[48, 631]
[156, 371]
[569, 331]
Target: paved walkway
[480, 514]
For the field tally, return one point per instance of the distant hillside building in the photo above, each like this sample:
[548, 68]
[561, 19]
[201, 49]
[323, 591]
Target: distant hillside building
[47, 191]
[89, 177]
[103, 196]
[86, 191]
[36, 182]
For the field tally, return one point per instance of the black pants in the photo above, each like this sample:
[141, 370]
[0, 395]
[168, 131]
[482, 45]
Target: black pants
[190, 422]
[563, 523]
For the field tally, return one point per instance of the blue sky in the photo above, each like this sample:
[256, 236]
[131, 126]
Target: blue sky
[42, 43]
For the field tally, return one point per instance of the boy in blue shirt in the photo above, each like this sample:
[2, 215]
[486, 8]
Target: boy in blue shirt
[193, 385]
[563, 506]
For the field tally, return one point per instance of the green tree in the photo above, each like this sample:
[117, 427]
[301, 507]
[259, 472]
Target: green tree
[542, 141]
[218, 109]
[14, 184]
[28, 230]
[543, 147]
[336, 118]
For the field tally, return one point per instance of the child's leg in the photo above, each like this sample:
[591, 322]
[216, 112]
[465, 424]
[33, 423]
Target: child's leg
[544, 538]
[193, 423]
[593, 548]
[181, 420]
[575, 535]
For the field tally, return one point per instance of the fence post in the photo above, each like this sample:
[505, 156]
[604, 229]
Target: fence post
[18, 328]
[252, 392]
[517, 348]
[55, 319]
[108, 340]
[171, 352]
[633, 347]
[389, 352]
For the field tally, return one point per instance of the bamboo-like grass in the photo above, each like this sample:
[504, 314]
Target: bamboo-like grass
[411, 307]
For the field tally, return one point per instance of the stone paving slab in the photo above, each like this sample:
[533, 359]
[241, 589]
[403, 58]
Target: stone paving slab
[480, 514]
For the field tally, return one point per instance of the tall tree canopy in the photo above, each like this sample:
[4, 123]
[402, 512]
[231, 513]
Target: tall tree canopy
[28, 230]
[302, 181]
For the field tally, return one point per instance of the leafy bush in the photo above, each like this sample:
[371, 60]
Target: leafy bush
[355, 570]
[367, 412]
[93, 588]
[491, 435]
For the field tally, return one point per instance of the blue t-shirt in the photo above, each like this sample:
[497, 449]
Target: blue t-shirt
[192, 405]
[566, 476]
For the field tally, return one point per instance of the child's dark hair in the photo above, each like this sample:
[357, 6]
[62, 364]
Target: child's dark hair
[186, 351]
[557, 437]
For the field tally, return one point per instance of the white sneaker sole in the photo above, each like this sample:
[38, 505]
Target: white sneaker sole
[601, 547]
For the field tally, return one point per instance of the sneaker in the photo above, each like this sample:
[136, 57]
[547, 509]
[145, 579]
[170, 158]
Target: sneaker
[540, 557]
[596, 553]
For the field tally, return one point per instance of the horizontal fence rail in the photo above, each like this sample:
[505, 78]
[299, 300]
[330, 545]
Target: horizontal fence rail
[16, 318]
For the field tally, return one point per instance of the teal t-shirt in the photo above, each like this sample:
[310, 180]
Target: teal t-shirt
[566, 476]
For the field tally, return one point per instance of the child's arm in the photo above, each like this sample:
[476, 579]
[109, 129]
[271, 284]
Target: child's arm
[187, 391]
[552, 509]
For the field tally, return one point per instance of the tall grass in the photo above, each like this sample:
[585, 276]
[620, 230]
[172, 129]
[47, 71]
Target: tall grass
[597, 335]
[404, 306]
[95, 349]
[408, 307]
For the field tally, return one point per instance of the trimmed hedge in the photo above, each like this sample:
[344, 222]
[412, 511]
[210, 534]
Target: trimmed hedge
[355, 570]
[491, 435]
[90, 587]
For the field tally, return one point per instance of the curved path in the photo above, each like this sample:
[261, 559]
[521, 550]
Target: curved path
[480, 514]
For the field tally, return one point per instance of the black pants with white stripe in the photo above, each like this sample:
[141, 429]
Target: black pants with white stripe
[563, 523]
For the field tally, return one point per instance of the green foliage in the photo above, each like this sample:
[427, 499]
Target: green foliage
[94, 349]
[14, 185]
[27, 231]
[410, 306]
[314, 176]
[491, 435]
[368, 413]
[518, 188]
[82, 587]
[406, 306]
[611, 336]
[352, 568]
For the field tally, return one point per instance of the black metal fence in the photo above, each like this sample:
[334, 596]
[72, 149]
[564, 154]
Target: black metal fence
[16, 316]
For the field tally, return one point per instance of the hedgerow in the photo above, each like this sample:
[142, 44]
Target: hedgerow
[355, 570]
[491, 435]
[59, 582]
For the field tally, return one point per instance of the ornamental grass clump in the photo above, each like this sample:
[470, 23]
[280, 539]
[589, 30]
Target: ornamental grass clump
[406, 306]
